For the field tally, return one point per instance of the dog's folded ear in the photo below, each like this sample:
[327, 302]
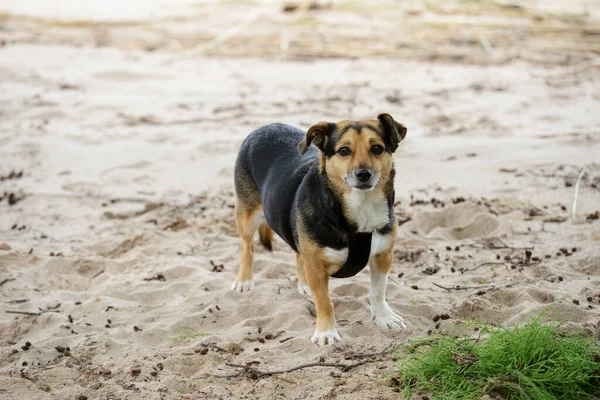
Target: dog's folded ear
[394, 131]
[318, 135]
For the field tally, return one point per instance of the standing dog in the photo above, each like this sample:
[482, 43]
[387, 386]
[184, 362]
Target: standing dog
[331, 203]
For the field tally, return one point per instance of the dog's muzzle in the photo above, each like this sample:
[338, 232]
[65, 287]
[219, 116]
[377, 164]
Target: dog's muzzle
[362, 178]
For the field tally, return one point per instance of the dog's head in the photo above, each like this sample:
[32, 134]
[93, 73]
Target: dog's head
[357, 154]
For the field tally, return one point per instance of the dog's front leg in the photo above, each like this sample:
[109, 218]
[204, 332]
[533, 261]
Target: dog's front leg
[381, 312]
[318, 282]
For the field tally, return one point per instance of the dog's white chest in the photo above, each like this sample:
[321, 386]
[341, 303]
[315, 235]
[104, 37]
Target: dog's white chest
[368, 209]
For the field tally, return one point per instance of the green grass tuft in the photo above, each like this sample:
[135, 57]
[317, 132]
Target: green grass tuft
[188, 333]
[531, 362]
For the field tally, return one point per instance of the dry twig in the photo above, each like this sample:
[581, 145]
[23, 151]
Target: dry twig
[36, 314]
[488, 243]
[482, 265]
[251, 372]
[388, 349]
[254, 373]
[5, 281]
[458, 287]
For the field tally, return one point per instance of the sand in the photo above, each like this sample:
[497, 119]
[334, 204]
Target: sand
[121, 241]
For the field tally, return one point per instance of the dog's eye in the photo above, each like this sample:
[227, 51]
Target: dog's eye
[344, 151]
[377, 149]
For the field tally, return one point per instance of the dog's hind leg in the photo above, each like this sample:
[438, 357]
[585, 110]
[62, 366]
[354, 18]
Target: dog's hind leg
[247, 219]
[302, 285]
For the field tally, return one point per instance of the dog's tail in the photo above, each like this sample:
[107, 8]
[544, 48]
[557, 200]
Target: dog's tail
[265, 233]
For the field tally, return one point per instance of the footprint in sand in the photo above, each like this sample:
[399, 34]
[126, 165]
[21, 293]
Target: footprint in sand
[457, 222]
[541, 296]
[129, 173]
[81, 187]
[351, 289]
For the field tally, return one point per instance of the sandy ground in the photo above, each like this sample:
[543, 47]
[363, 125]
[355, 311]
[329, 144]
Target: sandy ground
[118, 237]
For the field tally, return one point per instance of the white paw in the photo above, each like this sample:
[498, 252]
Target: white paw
[303, 289]
[384, 316]
[243, 286]
[323, 338]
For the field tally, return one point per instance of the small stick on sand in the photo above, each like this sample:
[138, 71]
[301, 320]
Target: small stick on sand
[257, 374]
[253, 373]
[35, 314]
[5, 281]
[487, 243]
[275, 391]
[482, 265]
[388, 349]
[574, 209]
[458, 287]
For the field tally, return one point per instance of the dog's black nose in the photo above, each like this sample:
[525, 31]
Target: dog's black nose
[363, 174]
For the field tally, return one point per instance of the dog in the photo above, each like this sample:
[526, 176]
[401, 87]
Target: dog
[329, 194]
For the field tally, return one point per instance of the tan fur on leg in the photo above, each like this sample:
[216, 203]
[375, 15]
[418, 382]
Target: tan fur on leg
[247, 224]
[302, 284]
[265, 233]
